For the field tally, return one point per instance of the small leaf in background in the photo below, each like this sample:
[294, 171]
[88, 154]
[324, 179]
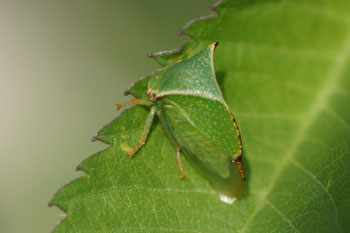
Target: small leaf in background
[284, 70]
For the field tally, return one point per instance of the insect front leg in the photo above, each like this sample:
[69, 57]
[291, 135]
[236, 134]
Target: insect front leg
[179, 162]
[145, 131]
[134, 102]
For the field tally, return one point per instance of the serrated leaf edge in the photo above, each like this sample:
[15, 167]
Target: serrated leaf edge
[154, 56]
[182, 32]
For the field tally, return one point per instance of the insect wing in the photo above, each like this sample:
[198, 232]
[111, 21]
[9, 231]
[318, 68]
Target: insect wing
[214, 163]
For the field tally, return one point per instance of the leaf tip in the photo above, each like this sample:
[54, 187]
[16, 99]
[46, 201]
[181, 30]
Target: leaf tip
[94, 138]
[127, 92]
[180, 33]
[215, 6]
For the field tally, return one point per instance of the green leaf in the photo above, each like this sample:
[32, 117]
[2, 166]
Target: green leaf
[284, 69]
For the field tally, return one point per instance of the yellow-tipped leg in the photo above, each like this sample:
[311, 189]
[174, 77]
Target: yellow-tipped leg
[179, 162]
[119, 106]
[132, 153]
[134, 102]
[145, 132]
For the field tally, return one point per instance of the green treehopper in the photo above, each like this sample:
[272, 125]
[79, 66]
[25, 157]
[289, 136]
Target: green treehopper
[195, 117]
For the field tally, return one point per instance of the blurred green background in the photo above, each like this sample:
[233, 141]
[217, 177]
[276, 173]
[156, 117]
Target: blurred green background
[63, 66]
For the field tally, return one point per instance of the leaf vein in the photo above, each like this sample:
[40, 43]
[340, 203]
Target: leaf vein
[130, 188]
[338, 118]
[314, 178]
[326, 91]
[280, 214]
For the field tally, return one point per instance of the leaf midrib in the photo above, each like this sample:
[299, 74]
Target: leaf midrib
[320, 103]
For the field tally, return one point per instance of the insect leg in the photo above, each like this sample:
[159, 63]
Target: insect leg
[179, 162]
[134, 102]
[145, 131]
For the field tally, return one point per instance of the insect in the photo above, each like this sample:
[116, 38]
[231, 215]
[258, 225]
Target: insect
[195, 117]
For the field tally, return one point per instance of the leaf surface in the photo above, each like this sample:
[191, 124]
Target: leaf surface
[284, 69]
